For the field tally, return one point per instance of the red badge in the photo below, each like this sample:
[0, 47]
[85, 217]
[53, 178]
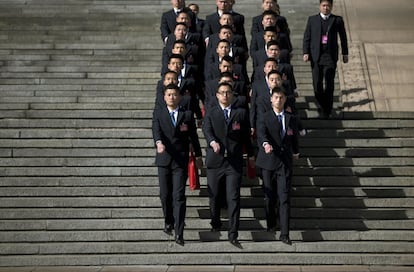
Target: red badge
[289, 132]
[324, 39]
[183, 127]
[236, 126]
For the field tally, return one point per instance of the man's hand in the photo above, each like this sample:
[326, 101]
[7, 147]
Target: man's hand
[268, 148]
[345, 58]
[216, 147]
[295, 156]
[305, 57]
[199, 162]
[160, 148]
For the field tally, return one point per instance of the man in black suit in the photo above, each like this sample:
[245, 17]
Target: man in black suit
[173, 131]
[199, 23]
[212, 24]
[169, 18]
[271, 5]
[227, 132]
[320, 46]
[277, 138]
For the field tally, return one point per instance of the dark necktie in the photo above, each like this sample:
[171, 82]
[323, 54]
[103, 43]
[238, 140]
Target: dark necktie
[226, 115]
[282, 132]
[173, 118]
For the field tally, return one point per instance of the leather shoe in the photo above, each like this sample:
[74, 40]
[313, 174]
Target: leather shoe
[168, 229]
[179, 240]
[285, 239]
[213, 229]
[235, 243]
[271, 229]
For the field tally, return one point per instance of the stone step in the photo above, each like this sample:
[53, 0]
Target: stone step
[111, 161]
[121, 181]
[246, 224]
[148, 143]
[297, 191]
[147, 133]
[248, 247]
[230, 258]
[203, 212]
[195, 235]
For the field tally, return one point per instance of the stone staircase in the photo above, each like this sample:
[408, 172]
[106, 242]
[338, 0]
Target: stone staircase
[78, 185]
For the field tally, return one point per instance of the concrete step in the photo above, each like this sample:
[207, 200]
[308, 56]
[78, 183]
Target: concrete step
[195, 235]
[210, 259]
[203, 212]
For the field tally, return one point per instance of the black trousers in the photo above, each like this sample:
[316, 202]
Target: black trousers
[276, 187]
[324, 72]
[172, 182]
[232, 178]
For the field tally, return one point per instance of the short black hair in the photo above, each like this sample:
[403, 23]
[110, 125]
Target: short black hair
[227, 58]
[269, 12]
[273, 42]
[172, 87]
[176, 56]
[225, 84]
[279, 90]
[330, 1]
[274, 72]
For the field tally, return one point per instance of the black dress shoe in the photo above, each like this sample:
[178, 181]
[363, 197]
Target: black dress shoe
[285, 239]
[179, 240]
[271, 229]
[213, 229]
[168, 229]
[235, 243]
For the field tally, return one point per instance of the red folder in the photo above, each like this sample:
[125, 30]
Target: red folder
[193, 177]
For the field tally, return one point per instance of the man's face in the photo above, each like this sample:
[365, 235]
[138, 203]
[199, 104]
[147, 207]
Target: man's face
[226, 19]
[225, 34]
[179, 48]
[268, 20]
[224, 95]
[223, 49]
[172, 97]
[175, 65]
[178, 3]
[274, 80]
[269, 5]
[183, 18]
[225, 66]
[170, 78]
[180, 32]
[278, 101]
[194, 9]
[273, 51]
[269, 36]
[269, 66]
[325, 7]
[223, 5]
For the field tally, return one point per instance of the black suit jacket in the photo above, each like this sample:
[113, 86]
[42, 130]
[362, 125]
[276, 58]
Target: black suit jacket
[257, 25]
[313, 35]
[232, 137]
[168, 21]
[176, 139]
[212, 24]
[258, 87]
[268, 131]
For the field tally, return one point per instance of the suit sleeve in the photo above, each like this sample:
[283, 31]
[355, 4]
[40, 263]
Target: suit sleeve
[342, 36]
[156, 127]
[261, 130]
[164, 27]
[307, 38]
[208, 129]
[194, 138]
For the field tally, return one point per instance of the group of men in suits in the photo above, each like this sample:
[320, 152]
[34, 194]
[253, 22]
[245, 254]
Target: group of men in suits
[204, 78]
